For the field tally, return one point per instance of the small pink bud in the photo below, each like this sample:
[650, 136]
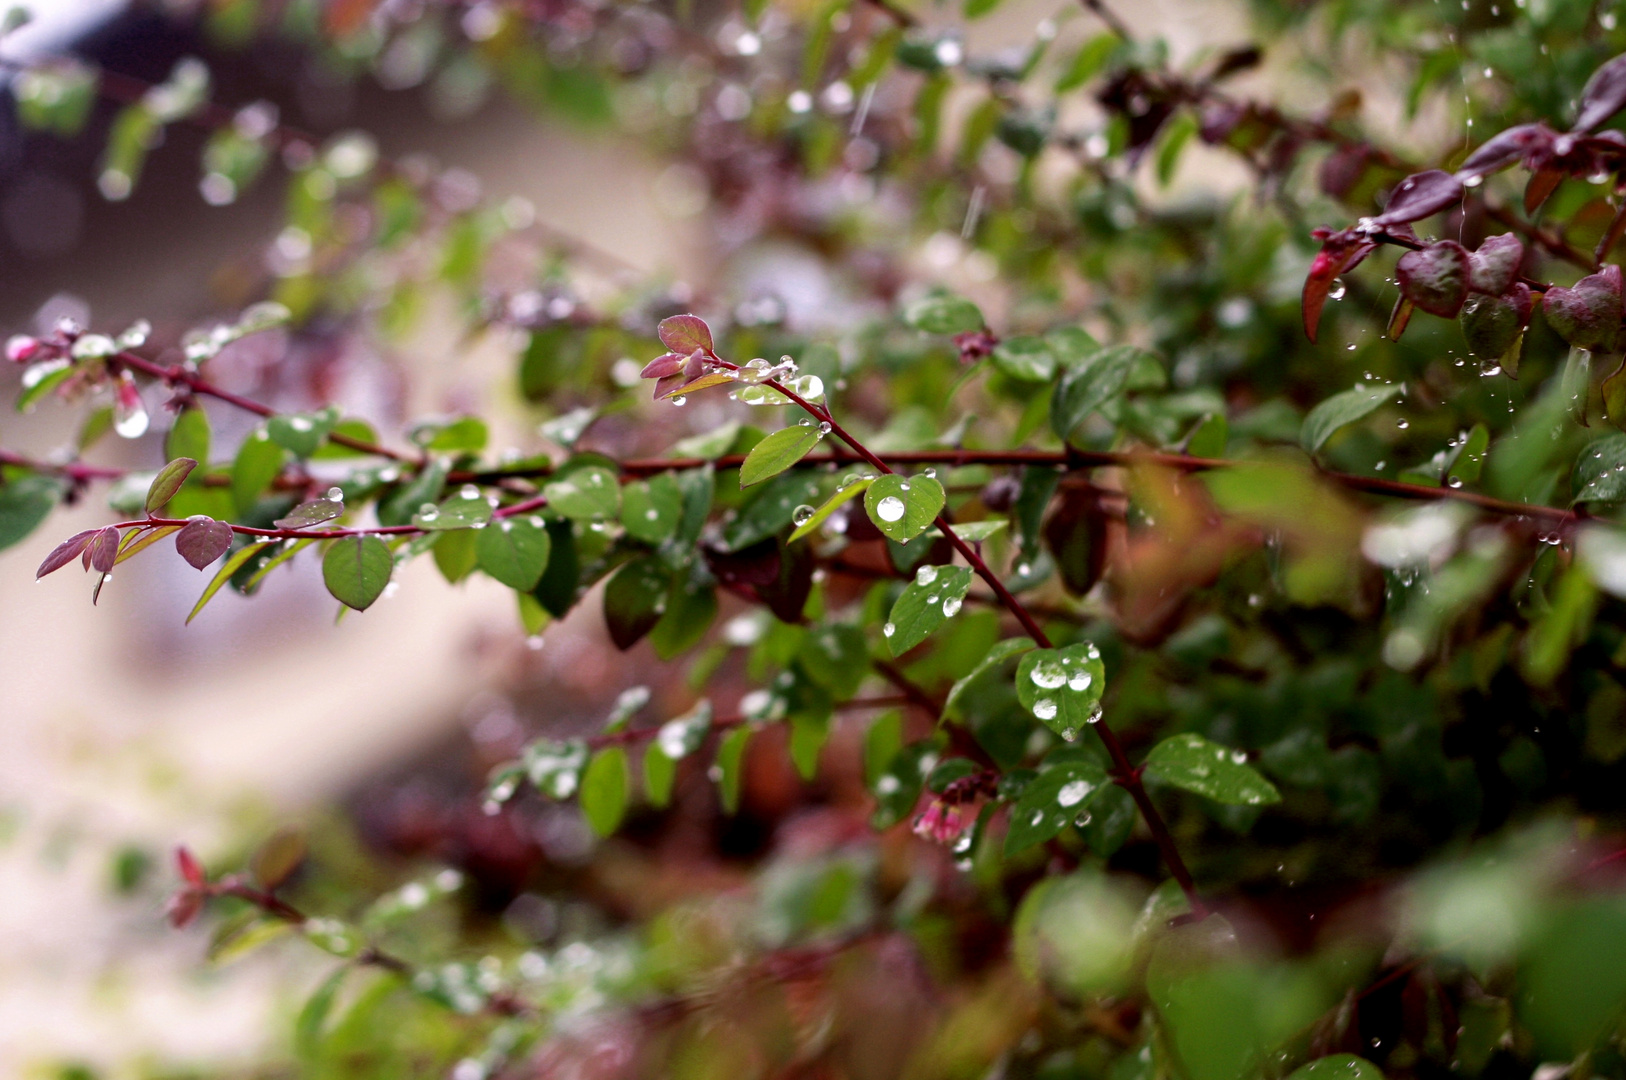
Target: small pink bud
[940, 822]
[190, 869]
[22, 348]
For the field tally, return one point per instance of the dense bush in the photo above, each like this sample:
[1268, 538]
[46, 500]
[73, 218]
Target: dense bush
[1192, 664]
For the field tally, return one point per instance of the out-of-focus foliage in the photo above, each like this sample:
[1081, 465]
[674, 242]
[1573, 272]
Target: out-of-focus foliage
[1091, 627]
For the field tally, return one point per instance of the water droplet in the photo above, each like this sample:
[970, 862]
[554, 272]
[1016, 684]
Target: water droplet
[468, 491]
[889, 629]
[1338, 290]
[800, 516]
[335, 494]
[1048, 676]
[1045, 708]
[1080, 681]
[925, 575]
[132, 423]
[824, 427]
[534, 642]
[951, 607]
[1073, 793]
[1402, 424]
[932, 473]
[680, 401]
[889, 508]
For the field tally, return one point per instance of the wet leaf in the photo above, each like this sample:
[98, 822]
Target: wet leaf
[1089, 384]
[302, 433]
[730, 755]
[256, 465]
[278, 857]
[1603, 96]
[189, 436]
[1192, 762]
[356, 569]
[685, 333]
[1419, 196]
[1495, 266]
[1001, 652]
[1063, 687]
[903, 507]
[1337, 1067]
[651, 509]
[936, 594]
[310, 512]
[1587, 316]
[1435, 278]
[635, 600]
[589, 494]
[778, 452]
[831, 505]
[203, 540]
[1054, 800]
[65, 552]
[1343, 409]
[514, 550]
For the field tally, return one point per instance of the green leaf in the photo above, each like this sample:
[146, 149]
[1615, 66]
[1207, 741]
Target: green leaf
[312, 512]
[467, 434]
[835, 657]
[831, 505]
[1209, 438]
[1088, 62]
[973, 532]
[1088, 385]
[40, 379]
[454, 552]
[944, 315]
[934, 595]
[882, 740]
[651, 509]
[995, 656]
[778, 452]
[1600, 471]
[232, 565]
[588, 494]
[660, 772]
[1027, 359]
[730, 753]
[1056, 798]
[1337, 1067]
[356, 569]
[24, 503]
[902, 508]
[256, 465]
[1342, 409]
[350, 428]
[1192, 762]
[1470, 459]
[468, 509]
[773, 508]
[709, 444]
[635, 600]
[189, 436]
[313, 1015]
[604, 790]
[411, 497]
[1176, 133]
[1063, 687]
[691, 606]
[897, 788]
[514, 551]
[290, 548]
[300, 434]
[167, 483]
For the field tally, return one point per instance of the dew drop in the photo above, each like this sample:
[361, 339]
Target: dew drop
[336, 494]
[1048, 676]
[1071, 794]
[1045, 708]
[889, 629]
[1338, 290]
[1080, 681]
[951, 607]
[680, 401]
[926, 575]
[800, 516]
[889, 508]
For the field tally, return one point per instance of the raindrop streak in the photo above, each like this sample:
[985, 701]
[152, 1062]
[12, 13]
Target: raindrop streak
[889, 508]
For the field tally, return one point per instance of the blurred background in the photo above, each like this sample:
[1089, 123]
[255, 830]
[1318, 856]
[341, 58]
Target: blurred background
[126, 732]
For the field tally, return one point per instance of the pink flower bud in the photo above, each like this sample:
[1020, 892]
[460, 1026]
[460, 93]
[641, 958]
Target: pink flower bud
[940, 822]
[22, 348]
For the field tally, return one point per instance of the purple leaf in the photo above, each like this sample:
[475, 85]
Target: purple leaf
[1604, 94]
[1587, 315]
[1493, 268]
[1342, 169]
[1505, 148]
[65, 552]
[313, 512]
[685, 333]
[663, 365]
[1435, 278]
[104, 549]
[168, 482]
[1419, 196]
[202, 541]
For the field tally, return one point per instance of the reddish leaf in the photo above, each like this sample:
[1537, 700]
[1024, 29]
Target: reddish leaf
[1400, 318]
[1604, 95]
[1435, 278]
[1505, 148]
[202, 541]
[1342, 169]
[65, 552]
[667, 383]
[1076, 534]
[1493, 268]
[1587, 315]
[276, 859]
[663, 365]
[310, 512]
[191, 870]
[168, 482]
[183, 907]
[1541, 185]
[1419, 196]
[104, 549]
[1338, 255]
[685, 333]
